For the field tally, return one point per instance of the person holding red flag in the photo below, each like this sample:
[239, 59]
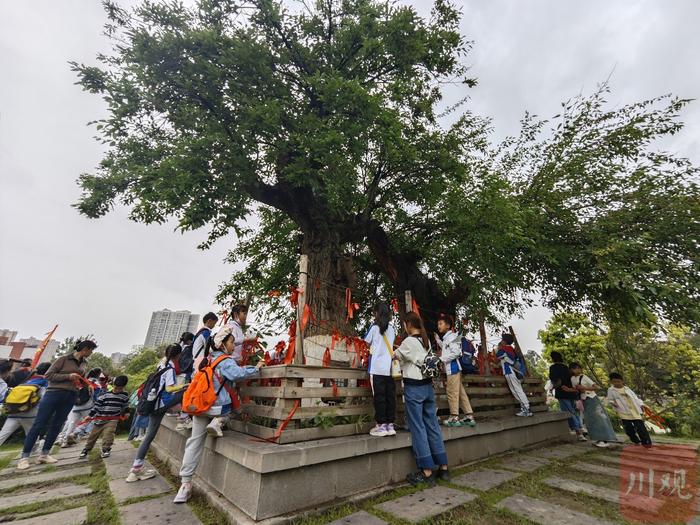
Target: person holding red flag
[65, 376]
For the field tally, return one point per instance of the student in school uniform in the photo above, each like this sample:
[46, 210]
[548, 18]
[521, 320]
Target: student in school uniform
[450, 344]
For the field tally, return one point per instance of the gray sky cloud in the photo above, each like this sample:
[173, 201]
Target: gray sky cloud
[106, 276]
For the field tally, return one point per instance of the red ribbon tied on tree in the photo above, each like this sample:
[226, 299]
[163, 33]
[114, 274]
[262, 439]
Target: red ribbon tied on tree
[274, 293]
[294, 298]
[414, 306]
[289, 358]
[349, 305]
[395, 304]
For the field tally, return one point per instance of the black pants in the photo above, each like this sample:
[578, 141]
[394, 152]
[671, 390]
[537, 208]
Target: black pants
[384, 388]
[636, 431]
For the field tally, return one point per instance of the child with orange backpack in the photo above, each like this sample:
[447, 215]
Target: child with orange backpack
[207, 405]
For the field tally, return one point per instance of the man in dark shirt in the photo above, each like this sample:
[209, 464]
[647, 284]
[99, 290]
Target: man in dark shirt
[566, 394]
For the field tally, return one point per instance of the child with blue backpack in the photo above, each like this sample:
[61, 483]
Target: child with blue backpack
[513, 372]
[450, 344]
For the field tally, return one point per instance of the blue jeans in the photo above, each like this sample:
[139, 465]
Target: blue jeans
[426, 436]
[139, 422]
[569, 405]
[54, 406]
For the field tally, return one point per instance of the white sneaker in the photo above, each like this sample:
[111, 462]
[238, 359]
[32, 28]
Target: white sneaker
[379, 431]
[214, 428]
[602, 444]
[581, 437]
[390, 430]
[184, 493]
[23, 464]
[140, 474]
[45, 458]
[523, 413]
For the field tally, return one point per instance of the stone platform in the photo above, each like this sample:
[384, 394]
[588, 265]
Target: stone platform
[257, 480]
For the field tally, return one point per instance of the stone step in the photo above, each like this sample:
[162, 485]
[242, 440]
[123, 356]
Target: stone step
[523, 463]
[33, 469]
[7, 502]
[613, 496]
[359, 518]
[159, 510]
[76, 516]
[546, 513]
[426, 503]
[485, 479]
[122, 491]
[641, 464]
[44, 477]
[597, 469]
[561, 452]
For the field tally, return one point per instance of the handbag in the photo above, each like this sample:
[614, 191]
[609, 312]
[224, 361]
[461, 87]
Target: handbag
[395, 365]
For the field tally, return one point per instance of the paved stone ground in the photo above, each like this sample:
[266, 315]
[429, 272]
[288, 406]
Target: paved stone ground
[553, 485]
[144, 502]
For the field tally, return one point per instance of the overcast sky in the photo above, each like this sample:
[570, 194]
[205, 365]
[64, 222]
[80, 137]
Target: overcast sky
[106, 276]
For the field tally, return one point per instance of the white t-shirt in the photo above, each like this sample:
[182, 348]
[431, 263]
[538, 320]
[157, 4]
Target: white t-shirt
[586, 381]
[380, 363]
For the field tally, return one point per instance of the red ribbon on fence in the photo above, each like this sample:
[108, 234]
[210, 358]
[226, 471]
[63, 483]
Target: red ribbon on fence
[275, 437]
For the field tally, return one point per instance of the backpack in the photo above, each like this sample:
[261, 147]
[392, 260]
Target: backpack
[467, 360]
[200, 395]
[22, 398]
[146, 406]
[430, 368]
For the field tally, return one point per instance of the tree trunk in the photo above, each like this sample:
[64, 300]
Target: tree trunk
[404, 273]
[330, 274]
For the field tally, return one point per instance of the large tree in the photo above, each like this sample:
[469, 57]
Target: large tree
[316, 130]
[324, 114]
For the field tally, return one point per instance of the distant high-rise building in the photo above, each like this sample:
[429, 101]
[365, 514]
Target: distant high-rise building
[118, 358]
[167, 326]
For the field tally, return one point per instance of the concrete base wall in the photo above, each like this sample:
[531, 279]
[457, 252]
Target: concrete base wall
[265, 480]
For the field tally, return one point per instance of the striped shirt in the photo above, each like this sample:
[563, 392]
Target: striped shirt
[110, 405]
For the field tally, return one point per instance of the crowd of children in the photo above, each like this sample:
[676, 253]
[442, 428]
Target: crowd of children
[64, 400]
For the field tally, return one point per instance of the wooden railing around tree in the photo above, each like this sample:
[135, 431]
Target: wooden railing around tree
[292, 403]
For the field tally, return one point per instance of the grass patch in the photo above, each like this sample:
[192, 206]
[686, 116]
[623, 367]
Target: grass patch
[101, 508]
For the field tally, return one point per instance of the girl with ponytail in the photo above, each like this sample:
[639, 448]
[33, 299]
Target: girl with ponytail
[421, 410]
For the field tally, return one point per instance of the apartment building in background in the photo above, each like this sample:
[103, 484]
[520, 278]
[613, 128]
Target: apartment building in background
[24, 348]
[167, 326]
